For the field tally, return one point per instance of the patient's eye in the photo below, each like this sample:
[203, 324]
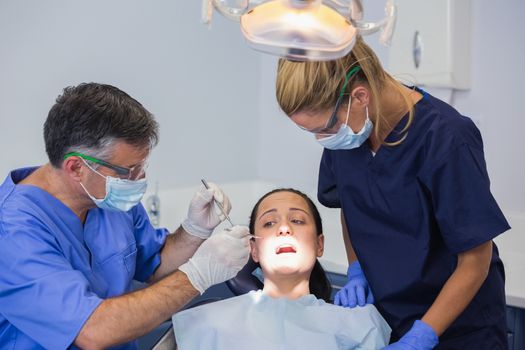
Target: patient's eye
[268, 224]
[298, 219]
[268, 220]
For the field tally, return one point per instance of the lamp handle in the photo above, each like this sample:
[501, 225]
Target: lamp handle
[386, 25]
[230, 12]
[354, 10]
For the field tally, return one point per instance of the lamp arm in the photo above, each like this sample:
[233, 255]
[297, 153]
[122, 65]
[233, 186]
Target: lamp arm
[206, 11]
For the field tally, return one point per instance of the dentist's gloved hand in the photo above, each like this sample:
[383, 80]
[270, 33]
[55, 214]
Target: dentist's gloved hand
[420, 337]
[219, 258]
[356, 291]
[203, 214]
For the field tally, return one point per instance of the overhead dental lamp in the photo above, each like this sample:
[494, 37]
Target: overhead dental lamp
[302, 30]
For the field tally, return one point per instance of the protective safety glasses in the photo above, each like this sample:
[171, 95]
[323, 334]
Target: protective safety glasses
[133, 173]
[329, 129]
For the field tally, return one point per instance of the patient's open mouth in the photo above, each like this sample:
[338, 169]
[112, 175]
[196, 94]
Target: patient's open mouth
[285, 248]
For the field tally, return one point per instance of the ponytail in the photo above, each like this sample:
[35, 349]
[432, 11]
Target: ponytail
[319, 284]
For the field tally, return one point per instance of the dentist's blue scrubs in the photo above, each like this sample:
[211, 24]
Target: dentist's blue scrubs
[411, 209]
[55, 271]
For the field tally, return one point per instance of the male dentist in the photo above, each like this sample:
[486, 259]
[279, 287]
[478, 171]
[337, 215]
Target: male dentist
[73, 234]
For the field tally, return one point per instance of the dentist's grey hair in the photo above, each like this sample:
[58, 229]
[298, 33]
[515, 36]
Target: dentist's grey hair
[90, 117]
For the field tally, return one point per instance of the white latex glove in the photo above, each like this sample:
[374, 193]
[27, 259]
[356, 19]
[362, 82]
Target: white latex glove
[219, 258]
[203, 214]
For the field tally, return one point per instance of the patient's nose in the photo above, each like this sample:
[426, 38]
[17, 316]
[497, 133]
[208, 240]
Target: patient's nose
[284, 229]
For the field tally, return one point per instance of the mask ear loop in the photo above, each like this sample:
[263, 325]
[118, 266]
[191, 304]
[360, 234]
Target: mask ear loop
[348, 109]
[348, 114]
[367, 118]
[92, 169]
[93, 198]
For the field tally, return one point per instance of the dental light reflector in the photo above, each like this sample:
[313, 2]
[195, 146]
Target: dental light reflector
[302, 30]
[298, 29]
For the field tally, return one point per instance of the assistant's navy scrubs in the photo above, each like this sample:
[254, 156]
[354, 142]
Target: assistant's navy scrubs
[411, 209]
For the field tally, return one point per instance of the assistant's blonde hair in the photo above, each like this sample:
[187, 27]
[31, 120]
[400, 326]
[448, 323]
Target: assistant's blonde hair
[315, 86]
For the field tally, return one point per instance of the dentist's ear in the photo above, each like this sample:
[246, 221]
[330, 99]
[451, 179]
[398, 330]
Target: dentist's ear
[254, 251]
[320, 245]
[72, 166]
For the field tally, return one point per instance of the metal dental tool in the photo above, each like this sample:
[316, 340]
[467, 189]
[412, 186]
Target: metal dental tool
[222, 208]
[218, 204]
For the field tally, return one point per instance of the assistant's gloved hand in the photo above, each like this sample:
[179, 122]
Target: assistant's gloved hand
[420, 337]
[203, 214]
[219, 258]
[356, 291]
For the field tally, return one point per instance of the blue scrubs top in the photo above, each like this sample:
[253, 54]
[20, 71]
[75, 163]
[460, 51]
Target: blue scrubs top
[412, 208]
[56, 271]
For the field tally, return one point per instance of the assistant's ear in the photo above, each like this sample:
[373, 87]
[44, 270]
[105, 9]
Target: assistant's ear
[72, 166]
[254, 252]
[320, 245]
[360, 96]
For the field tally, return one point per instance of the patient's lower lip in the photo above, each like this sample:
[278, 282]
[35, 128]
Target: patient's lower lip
[285, 250]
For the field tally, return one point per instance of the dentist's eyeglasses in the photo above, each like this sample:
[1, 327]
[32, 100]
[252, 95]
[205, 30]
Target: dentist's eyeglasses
[133, 173]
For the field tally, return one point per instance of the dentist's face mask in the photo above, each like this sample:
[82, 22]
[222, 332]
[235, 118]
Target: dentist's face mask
[121, 194]
[346, 138]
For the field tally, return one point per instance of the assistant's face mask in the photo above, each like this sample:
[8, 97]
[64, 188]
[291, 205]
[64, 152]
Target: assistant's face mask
[121, 195]
[345, 138]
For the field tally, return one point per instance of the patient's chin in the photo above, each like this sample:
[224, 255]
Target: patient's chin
[287, 270]
[287, 263]
[287, 267]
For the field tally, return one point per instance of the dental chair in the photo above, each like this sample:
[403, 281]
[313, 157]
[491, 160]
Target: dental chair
[244, 282]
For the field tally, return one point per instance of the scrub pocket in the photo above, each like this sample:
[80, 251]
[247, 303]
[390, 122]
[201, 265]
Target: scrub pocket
[118, 271]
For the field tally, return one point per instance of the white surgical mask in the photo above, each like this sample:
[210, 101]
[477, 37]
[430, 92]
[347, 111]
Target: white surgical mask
[345, 138]
[121, 195]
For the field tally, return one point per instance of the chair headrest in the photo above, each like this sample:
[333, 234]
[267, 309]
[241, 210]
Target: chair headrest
[245, 281]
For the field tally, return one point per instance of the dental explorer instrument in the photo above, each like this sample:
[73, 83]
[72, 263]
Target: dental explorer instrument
[222, 208]
[218, 204]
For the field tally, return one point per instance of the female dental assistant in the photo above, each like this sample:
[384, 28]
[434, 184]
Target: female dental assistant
[418, 217]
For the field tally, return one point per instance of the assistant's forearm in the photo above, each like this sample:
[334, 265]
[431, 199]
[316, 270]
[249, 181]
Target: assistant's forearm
[460, 289]
[121, 319]
[179, 247]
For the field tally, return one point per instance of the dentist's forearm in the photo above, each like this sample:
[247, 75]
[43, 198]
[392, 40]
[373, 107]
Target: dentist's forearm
[179, 247]
[122, 319]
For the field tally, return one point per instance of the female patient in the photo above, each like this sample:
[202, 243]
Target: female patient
[284, 314]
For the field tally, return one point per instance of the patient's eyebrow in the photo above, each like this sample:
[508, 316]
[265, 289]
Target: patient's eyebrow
[274, 210]
[266, 212]
[299, 209]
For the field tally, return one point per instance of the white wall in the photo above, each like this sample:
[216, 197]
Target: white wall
[201, 84]
[496, 96]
